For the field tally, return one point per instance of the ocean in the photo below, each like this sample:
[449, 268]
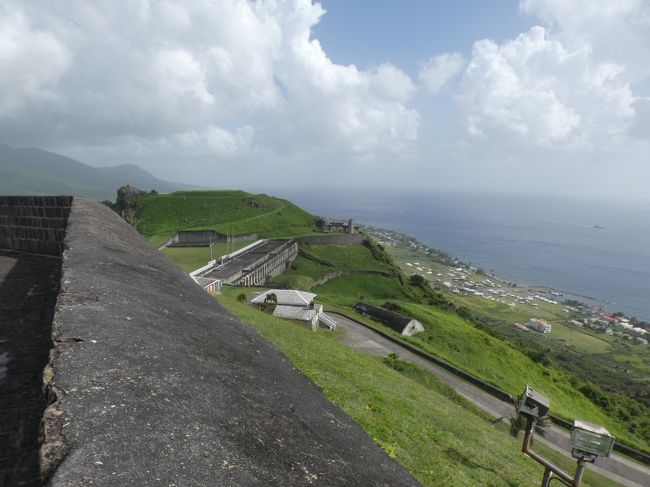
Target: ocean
[545, 241]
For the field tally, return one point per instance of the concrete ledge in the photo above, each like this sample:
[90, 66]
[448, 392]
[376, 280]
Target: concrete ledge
[159, 385]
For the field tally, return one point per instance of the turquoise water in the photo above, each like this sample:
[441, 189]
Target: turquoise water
[529, 240]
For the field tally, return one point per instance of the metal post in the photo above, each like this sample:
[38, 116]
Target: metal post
[548, 474]
[579, 471]
[549, 468]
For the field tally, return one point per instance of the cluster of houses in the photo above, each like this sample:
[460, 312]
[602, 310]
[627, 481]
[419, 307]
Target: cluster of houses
[457, 280]
[618, 326]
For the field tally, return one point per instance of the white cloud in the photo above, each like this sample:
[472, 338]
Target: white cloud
[535, 88]
[440, 69]
[31, 62]
[615, 31]
[226, 74]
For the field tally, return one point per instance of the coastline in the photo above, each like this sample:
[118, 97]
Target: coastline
[451, 275]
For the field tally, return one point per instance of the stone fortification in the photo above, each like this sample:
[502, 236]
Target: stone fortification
[159, 385]
[32, 230]
[34, 224]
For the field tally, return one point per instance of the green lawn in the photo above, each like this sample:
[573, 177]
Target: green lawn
[349, 290]
[191, 258]
[301, 274]
[582, 341]
[224, 211]
[408, 413]
[355, 257]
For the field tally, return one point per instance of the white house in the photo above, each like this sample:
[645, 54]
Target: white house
[296, 305]
[539, 325]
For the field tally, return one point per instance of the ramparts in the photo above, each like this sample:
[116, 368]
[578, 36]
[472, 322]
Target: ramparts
[159, 385]
[34, 224]
[32, 233]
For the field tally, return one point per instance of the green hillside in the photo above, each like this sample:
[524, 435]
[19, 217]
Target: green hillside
[234, 212]
[342, 275]
[438, 436]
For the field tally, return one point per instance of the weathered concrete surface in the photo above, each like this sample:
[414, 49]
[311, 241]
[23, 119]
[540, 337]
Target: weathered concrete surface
[28, 290]
[164, 387]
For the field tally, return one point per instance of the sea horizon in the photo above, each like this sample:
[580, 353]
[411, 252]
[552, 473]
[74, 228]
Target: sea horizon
[580, 246]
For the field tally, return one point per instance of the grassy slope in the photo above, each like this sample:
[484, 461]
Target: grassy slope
[355, 257]
[305, 271]
[411, 415]
[345, 291]
[349, 290]
[450, 337]
[224, 211]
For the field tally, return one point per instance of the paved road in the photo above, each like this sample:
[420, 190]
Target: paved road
[365, 340]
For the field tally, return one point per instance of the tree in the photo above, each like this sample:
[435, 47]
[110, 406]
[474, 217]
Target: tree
[417, 280]
[270, 299]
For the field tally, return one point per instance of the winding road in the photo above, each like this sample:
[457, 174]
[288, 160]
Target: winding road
[363, 339]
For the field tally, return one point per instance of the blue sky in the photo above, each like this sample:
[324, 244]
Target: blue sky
[366, 33]
[532, 96]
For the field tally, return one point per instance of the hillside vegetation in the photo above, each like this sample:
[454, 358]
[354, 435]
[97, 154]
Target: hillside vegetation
[400, 417]
[233, 212]
[441, 438]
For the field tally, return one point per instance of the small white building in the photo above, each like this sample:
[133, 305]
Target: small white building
[295, 305]
[539, 325]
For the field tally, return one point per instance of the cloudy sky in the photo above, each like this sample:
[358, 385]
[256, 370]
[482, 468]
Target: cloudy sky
[543, 96]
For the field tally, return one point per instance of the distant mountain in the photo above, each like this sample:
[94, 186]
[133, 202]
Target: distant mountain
[36, 171]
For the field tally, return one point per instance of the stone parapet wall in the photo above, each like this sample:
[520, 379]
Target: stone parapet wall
[34, 224]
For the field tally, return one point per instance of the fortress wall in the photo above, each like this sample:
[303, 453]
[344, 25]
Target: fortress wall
[32, 230]
[160, 385]
[34, 224]
[334, 239]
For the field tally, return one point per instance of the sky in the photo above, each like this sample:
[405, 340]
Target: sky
[547, 97]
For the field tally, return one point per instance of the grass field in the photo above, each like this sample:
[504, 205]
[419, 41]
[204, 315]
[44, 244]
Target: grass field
[224, 211]
[191, 258]
[349, 290]
[356, 257]
[408, 413]
[450, 337]
[301, 275]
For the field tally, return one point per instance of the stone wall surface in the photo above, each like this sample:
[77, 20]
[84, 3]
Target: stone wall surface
[29, 286]
[34, 224]
[159, 385]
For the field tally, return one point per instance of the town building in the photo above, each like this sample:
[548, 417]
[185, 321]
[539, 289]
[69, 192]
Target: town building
[402, 324]
[329, 225]
[539, 325]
